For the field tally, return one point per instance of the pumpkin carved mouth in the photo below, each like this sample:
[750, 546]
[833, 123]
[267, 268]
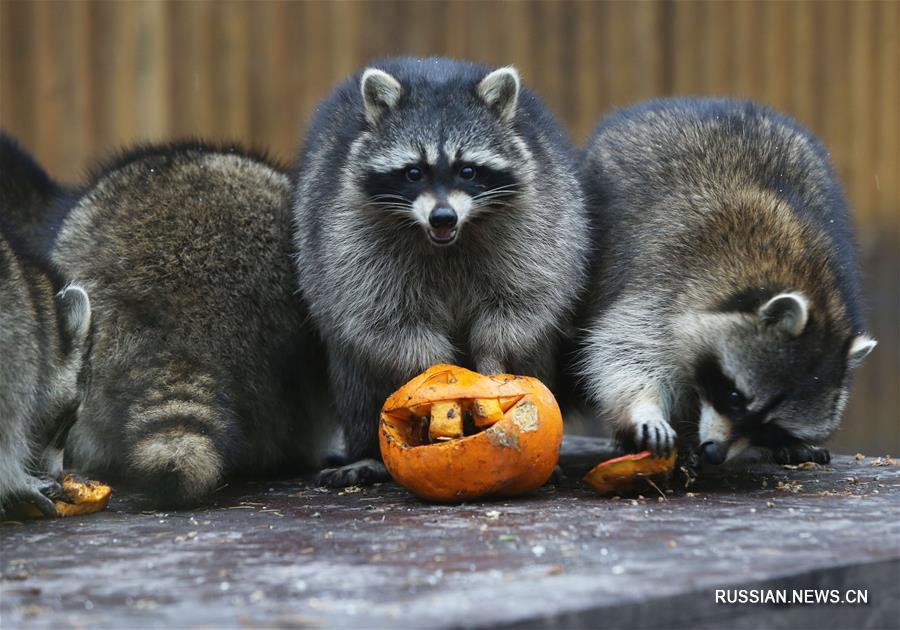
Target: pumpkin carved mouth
[451, 434]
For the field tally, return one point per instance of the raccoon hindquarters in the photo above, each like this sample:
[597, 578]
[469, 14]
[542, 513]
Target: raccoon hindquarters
[179, 449]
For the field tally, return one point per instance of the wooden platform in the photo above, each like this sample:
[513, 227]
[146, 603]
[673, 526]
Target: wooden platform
[288, 554]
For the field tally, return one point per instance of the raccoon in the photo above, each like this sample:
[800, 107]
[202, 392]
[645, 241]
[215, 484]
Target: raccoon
[439, 219]
[44, 338]
[200, 339]
[725, 300]
[27, 194]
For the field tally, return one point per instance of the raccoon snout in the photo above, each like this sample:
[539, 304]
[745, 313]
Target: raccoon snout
[714, 452]
[443, 220]
[443, 217]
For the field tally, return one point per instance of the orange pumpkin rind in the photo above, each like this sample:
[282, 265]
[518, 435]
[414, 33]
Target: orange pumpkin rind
[514, 449]
[627, 473]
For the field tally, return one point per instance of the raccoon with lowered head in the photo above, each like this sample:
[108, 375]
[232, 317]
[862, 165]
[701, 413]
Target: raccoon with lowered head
[44, 338]
[200, 339]
[725, 297]
[439, 219]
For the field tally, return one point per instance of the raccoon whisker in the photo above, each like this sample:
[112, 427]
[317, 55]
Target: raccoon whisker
[391, 207]
[402, 213]
[507, 190]
[386, 205]
[389, 196]
[499, 195]
[490, 201]
[492, 204]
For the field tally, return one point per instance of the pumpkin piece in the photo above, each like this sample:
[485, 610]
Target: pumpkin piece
[80, 496]
[446, 421]
[487, 411]
[622, 475]
[514, 455]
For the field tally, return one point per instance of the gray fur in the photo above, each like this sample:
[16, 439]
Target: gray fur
[724, 248]
[200, 340]
[388, 301]
[44, 337]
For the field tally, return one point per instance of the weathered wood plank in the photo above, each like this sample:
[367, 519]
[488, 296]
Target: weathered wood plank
[288, 554]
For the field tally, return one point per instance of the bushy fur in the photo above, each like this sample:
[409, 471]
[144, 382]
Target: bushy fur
[725, 299]
[389, 301]
[44, 338]
[200, 340]
[27, 194]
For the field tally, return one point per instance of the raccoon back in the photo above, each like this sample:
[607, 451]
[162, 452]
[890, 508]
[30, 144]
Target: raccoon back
[705, 196]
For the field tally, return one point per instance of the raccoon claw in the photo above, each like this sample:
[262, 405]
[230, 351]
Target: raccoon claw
[49, 487]
[800, 453]
[40, 494]
[656, 436]
[364, 472]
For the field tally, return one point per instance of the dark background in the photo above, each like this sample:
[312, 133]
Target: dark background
[79, 79]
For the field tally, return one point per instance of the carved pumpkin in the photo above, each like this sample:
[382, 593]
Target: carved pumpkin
[451, 434]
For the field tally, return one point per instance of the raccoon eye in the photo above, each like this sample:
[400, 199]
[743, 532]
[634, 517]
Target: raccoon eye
[414, 174]
[467, 172]
[736, 399]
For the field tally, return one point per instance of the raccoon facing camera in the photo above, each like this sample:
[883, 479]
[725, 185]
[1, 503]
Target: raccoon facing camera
[45, 329]
[438, 219]
[724, 302]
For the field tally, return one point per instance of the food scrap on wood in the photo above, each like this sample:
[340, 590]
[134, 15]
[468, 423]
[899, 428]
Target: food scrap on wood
[629, 473]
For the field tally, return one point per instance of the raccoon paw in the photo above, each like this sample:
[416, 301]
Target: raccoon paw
[800, 452]
[363, 472]
[40, 493]
[558, 477]
[654, 435]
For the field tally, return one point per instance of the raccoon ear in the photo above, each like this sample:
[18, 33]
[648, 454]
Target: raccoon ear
[500, 91]
[788, 311]
[860, 348]
[74, 308]
[380, 92]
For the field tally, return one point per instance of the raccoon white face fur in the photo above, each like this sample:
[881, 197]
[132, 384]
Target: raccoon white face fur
[439, 172]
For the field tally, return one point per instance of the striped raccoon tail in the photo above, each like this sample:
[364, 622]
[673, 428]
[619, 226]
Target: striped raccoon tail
[182, 437]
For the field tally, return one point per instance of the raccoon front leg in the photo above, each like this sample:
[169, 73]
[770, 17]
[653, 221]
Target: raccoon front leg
[359, 396]
[38, 491]
[644, 426]
[800, 452]
[510, 341]
[360, 384]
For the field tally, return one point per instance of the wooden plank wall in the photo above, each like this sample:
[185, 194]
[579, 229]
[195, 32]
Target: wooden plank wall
[80, 78]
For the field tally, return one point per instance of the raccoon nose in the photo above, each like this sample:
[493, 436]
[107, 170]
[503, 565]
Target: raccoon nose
[714, 452]
[442, 217]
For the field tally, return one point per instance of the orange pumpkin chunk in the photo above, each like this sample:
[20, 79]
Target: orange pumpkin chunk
[80, 496]
[446, 421]
[628, 473]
